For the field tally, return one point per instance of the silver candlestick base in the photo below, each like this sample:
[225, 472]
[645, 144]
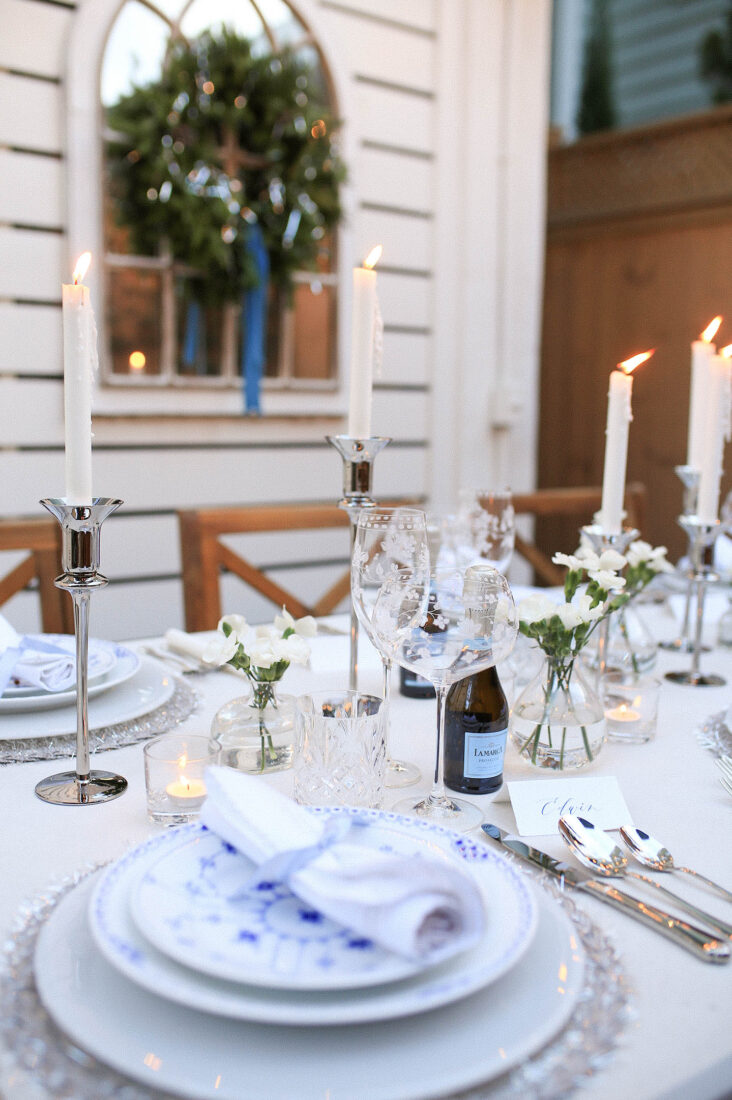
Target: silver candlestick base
[81, 524]
[358, 458]
[604, 540]
[683, 643]
[702, 537]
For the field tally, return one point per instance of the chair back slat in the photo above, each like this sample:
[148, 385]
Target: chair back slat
[42, 539]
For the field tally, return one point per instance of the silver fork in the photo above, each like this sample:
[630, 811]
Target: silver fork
[176, 661]
[724, 763]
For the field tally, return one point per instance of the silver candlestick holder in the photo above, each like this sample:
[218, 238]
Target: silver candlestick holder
[358, 458]
[81, 525]
[702, 537]
[601, 540]
[689, 478]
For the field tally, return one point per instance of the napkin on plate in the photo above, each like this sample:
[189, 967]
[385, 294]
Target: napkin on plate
[194, 645]
[422, 907]
[48, 665]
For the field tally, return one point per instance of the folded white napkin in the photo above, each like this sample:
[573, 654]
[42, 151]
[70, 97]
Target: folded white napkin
[45, 664]
[190, 645]
[422, 907]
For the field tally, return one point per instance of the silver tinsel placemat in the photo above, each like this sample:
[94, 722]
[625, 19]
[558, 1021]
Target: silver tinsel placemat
[35, 1048]
[181, 704]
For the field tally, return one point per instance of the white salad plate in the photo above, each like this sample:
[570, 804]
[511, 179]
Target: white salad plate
[102, 659]
[184, 905]
[125, 663]
[309, 1003]
[143, 686]
[169, 1047]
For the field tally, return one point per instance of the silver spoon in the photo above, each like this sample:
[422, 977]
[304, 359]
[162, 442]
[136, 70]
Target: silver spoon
[651, 853]
[598, 851]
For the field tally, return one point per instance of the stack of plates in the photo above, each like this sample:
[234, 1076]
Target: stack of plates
[192, 984]
[128, 687]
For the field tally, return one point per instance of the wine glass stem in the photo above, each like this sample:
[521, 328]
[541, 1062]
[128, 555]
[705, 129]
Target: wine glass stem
[386, 691]
[437, 794]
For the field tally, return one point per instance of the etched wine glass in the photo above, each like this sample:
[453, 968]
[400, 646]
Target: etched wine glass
[471, 624]
[489, 521]
[390, 571]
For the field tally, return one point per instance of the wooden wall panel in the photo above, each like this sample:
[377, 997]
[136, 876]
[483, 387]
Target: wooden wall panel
[33, 264]
[31, 339]
[637, 274]
[419, 14]
[30, 113]
[370, 46]
[31, 189]
[33, 37]
[395, 179]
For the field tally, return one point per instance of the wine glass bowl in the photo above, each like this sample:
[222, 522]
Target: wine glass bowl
[471, 624]
[490, 523]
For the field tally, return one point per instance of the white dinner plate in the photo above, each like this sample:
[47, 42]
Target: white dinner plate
[270, 938]
[205, 1057]
[126, 664]
[102, 659]
[511, 924]
[145, 685]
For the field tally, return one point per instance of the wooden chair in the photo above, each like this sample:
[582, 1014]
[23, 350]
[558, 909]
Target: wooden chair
[205, 556]
[579, 504]
[42, 539]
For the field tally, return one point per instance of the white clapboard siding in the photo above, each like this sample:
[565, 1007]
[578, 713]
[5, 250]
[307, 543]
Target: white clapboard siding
[418, 14]
[193, 478]
[31, 189]
[30, 113]
[391, 178]
[23, 611]
[370, 46]
[31, 339]
[136, 610]
[389, 117]
[406, 359]
[407, 240]
[32, 267]
[33, 37]
[406, 301]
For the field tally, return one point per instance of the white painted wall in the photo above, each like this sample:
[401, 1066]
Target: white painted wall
[444, 104]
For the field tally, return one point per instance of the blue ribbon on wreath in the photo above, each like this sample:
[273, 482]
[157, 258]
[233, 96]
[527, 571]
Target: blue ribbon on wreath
[254, 321]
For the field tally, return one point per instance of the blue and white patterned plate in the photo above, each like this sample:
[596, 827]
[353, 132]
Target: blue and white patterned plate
[280, 948]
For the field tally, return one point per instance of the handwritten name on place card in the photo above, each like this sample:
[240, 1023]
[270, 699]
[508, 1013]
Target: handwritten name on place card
[539, 803]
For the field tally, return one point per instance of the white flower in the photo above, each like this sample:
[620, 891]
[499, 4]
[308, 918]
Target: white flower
[588, 557]
[219, 650]
[237, 625]
[570, 560]
[305, 627]
[293, 649]
[262, 654]
[266, 630]
[586, 611]
[661, 565]
[639, 551]
[569, 615]
[606, 579]
[654, 557]
[532, 609]
[611, 559]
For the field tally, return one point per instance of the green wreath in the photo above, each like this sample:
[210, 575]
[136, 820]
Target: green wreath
[222, 142]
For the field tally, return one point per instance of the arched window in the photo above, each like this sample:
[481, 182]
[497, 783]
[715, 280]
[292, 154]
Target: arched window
[157, 331]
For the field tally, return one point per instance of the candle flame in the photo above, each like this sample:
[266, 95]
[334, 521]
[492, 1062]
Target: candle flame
[629, 365]
[711, 330]
[184, 782]
[726, 353]
[82, 266]
[373, 257]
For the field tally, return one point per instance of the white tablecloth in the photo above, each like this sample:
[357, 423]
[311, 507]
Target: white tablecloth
[680, 1045]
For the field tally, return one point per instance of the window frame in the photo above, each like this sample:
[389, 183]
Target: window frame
[124, 395]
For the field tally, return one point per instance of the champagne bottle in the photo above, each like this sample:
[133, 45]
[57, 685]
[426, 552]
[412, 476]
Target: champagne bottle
[476, 723]
[414, 686]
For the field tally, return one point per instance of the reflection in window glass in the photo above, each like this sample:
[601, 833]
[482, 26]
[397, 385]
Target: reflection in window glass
[135, 51]
[198, 335]
[134, 305]
[234, 14]
[314, 330]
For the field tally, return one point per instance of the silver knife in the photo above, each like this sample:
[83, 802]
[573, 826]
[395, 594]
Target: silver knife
[700, 943]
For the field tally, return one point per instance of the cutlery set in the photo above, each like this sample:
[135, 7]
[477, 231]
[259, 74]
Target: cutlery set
[724, 763]
[602, 857]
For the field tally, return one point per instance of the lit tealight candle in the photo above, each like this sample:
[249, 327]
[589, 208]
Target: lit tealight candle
[186, 788]
[622, 713]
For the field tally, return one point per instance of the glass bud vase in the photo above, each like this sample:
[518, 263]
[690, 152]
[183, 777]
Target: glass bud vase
[631, 648]
[558, 720]
[256, 733]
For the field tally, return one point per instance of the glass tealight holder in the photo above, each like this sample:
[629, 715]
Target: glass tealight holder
[174, 767]
[631, 709]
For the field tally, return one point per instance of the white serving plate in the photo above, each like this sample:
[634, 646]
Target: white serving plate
[145, 686]
[126, 663]
[205, 1057]
[281, 998]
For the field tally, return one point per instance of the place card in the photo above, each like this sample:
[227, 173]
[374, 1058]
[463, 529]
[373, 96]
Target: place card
[539, 803]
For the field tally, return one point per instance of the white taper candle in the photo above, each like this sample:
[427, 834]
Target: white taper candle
[80, 357]
[716, 429]
[363, 314]
[702, 351]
